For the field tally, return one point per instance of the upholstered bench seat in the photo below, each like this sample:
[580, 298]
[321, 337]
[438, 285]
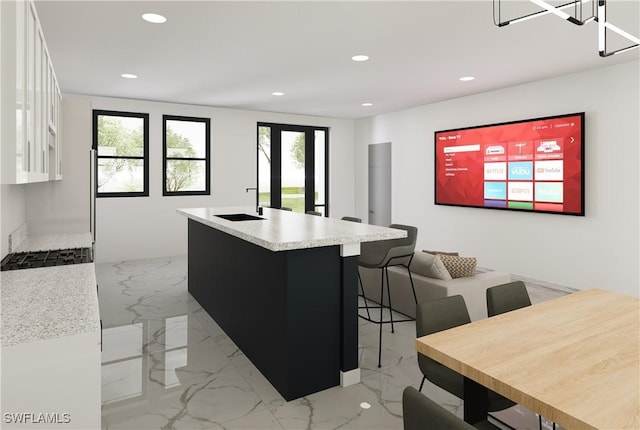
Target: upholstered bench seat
[472, 288]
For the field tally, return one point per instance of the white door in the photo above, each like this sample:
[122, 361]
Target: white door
[380, 184]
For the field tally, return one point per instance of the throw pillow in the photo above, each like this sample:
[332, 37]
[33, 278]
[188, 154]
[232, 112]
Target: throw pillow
[440, 252]
[429, 265]
[459, 267]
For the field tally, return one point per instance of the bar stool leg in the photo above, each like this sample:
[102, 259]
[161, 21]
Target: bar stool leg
[412, 287]
[380, 324]
[386, 271]
[366, 305]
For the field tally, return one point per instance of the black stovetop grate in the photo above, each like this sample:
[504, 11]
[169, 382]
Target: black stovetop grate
[57, 257]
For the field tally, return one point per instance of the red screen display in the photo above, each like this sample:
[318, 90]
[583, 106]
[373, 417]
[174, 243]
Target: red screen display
[532, 165]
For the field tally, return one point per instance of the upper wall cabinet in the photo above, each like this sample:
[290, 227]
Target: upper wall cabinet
[30, 99]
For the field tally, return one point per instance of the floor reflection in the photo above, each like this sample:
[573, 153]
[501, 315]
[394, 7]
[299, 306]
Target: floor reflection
[136, 356]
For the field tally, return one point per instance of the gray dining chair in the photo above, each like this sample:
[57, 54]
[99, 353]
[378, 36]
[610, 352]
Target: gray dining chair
[438, 315]
[507, 297]
[421, 413]
[381, 255]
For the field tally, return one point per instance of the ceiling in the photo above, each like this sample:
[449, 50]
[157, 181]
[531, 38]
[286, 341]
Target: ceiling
[234, 54]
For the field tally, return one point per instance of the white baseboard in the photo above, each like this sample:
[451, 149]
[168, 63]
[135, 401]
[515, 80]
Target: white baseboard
[349, 377]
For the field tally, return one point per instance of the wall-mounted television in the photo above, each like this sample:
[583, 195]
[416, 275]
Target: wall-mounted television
[534, 165]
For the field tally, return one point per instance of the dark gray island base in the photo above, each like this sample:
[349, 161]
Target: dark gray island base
[292, 310]
[282, 309]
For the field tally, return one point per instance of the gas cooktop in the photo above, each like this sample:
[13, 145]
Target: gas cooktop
[35, 259]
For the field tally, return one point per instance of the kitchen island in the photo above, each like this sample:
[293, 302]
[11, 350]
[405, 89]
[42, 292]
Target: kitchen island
[283, 286]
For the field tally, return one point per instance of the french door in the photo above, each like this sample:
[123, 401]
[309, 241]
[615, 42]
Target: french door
[293, 167]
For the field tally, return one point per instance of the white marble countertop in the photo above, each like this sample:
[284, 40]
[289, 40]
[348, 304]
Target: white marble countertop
[55, 241]
[285, 230]
[48, 303]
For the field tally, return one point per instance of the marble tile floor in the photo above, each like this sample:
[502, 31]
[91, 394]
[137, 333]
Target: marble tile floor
[167, 365]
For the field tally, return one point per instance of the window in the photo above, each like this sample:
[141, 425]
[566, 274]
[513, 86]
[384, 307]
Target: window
[186, 152]
[121, 140]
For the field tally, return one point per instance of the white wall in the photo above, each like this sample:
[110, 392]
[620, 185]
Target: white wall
[147, 227]
[599, 250]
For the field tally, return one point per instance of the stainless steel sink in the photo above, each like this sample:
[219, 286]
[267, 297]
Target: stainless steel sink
[240, 217]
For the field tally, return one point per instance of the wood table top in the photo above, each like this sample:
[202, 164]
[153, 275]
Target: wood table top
[574, 360]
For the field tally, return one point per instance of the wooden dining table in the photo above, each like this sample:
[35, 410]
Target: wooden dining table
[573, 360]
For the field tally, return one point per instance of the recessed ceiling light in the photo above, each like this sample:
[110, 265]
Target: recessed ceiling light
[129, 76]
[367, 104]
[467, 78]
[277, 93]
[360, 57]
[365, 405]
[154, 18]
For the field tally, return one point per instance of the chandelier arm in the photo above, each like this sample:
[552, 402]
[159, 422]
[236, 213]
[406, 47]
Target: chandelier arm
[598, 14]
[536, 14]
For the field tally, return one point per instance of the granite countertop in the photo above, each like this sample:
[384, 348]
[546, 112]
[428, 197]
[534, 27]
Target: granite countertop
[284, 230]
[55, 241]
[48, 303]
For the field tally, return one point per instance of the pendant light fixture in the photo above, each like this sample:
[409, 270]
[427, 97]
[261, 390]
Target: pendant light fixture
[598, 14]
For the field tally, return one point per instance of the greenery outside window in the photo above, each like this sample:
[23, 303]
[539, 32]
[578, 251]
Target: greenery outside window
[121, 141]
[186, 154]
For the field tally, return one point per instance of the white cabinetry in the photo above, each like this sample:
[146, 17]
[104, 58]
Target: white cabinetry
[59, 376]
[30, 99]
[54, 127]
[51, 345]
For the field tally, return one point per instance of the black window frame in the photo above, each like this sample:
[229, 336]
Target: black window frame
[207, 159]
[276, 160]
[144, 158]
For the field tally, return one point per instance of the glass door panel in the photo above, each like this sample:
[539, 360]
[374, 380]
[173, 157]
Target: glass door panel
[264, 166]
[293, 172]
[319, 149]
[292, 167]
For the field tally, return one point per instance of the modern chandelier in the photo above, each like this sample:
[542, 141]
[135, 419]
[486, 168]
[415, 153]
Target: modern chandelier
[598, 14]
